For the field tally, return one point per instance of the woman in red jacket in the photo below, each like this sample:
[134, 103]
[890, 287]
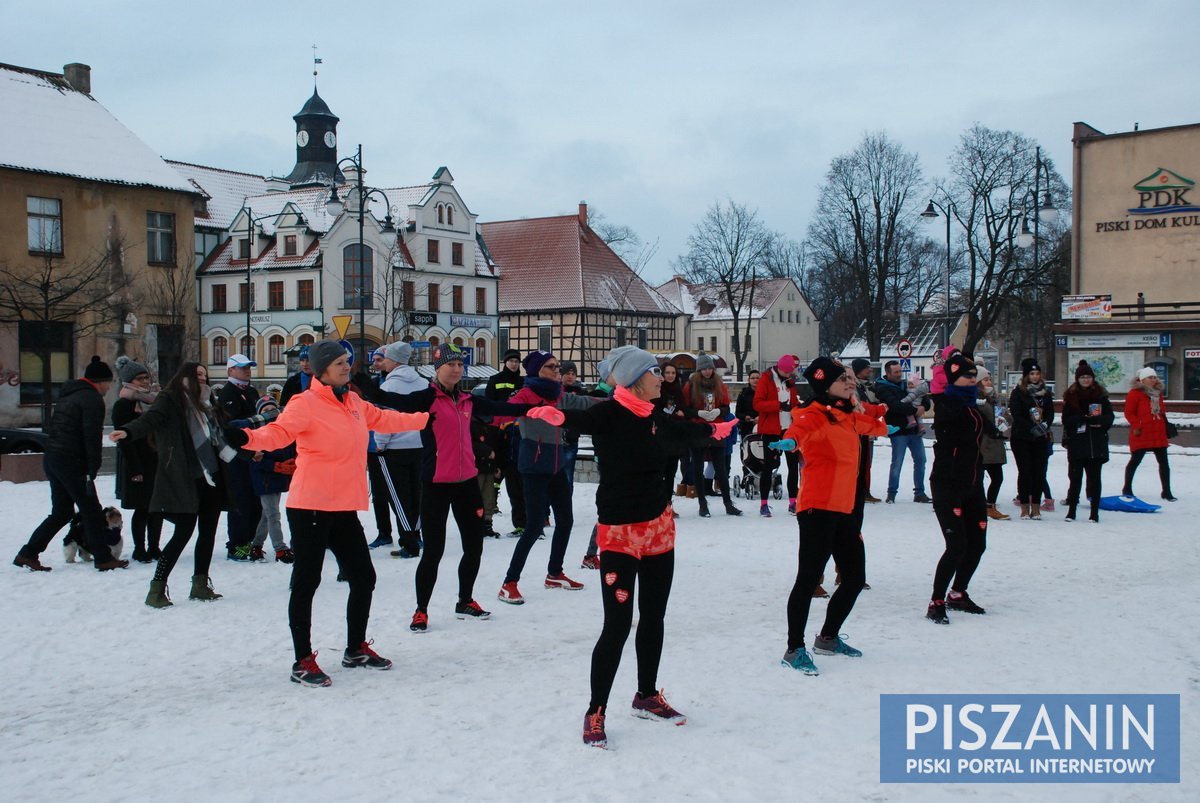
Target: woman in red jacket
[329, 425]
[1146, 411]
[829, 508]
[774, 400]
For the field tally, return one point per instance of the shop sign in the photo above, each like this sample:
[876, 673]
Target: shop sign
[1085, 308]
[1191, 354]
[1138, 341]
[423, 318]
[470, 323]
[1163, 202]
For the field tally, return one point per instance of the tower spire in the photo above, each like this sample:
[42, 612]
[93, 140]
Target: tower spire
[316, 61]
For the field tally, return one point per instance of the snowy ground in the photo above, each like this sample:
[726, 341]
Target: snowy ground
[110, 700]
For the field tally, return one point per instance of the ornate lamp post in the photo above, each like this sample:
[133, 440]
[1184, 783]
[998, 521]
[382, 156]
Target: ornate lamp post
[1045, 212]
[931, 212]
[355, 202]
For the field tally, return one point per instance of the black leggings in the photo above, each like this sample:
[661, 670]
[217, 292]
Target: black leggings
[146, 528]
[824, 533]
[314, 531]
[964, 526]
[1164, 469]
[793, 474]
[185, 525]
[716, 456]
[656, 572]
[1032, 458]
[995, 472]
[1075, 472]
[437, 502]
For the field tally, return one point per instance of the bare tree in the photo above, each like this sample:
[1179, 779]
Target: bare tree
[730, 248]
[864, 226]
[49, 290]
[989, 194]
[169, 295]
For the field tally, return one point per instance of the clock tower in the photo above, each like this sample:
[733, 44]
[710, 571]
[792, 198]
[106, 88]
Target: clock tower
[316, 145]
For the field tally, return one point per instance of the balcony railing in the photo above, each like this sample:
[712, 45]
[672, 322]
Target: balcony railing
[1142, 310]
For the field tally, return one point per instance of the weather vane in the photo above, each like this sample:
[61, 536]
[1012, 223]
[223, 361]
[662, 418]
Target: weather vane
[316, 61]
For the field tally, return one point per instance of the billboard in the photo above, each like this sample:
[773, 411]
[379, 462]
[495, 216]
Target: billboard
[1087, 308]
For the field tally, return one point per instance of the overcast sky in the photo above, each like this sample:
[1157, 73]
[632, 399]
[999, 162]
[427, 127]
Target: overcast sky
[650, 111]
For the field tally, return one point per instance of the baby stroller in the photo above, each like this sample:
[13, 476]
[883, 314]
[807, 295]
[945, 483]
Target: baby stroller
[756, 458]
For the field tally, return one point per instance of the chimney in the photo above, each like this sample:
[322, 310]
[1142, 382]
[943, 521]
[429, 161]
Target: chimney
[79, 77]
[903, 325]
[583, 213]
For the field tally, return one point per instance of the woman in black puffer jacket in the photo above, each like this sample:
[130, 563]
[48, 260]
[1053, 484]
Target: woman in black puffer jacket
[1087, 416]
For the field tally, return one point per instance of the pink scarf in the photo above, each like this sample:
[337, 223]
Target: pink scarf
[639, 407]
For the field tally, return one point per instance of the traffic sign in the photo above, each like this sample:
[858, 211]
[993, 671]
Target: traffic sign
[349, 349]
[904, 350]
[341, 323]
[905, 365]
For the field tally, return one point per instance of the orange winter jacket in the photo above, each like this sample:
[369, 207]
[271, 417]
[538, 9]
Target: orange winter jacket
[331, 445]
[831, 451]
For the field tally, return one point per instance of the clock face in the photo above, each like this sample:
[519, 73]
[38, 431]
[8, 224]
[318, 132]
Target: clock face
[302, 138]
[330, 139]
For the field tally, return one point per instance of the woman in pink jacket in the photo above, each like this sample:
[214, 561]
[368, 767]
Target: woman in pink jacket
[329, 425]
[1146, 412]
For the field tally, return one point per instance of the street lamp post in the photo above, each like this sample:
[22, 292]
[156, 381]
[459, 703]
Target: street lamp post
[1047, 213]
[388, 232]
[931, 212]
[250, 221]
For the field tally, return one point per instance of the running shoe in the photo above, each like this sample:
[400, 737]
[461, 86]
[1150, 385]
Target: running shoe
[420, 622]
[511, 594]
[765, 511]
[959, 601]
[936, 612]
[656, 709]
[366, 657]
[285, 555]
[307, 673]
[471, 610]
[590, 562]
[834, 646]
[383, 540]
[257, 554]
[560, 580]
[801, 661]
[593, 729]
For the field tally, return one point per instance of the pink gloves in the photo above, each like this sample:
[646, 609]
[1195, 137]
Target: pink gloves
[721, 431]
[551, 415]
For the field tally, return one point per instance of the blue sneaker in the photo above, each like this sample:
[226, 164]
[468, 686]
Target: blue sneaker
[383, 540]
[801, 661]
[765, 511]
[834, 646]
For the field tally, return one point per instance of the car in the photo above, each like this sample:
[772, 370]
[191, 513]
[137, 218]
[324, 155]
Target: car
[15, 441]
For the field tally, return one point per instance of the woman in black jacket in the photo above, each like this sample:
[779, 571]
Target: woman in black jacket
[957, 485]
[670, 403]
[1087, 415]
[137, 461]
[189, 484]
[1031, 405]
[636, 531]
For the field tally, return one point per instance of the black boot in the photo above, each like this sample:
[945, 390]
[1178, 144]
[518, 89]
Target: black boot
[1071, 511]
[1127, 490]
[1164, 476]
[704, 514]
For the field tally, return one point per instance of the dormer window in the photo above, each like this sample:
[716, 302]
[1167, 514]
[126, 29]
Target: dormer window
[289, 245]
[706, 307]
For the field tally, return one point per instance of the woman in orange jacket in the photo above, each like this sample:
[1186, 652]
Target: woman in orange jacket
[829, 508]
[329, 425]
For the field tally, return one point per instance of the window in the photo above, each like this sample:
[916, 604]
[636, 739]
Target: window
[789, 316]
[304, 294]
[642, 338]
[449, 215]
[441, 213]
[244, 300]
[274, 295]
[160, 238]
[544, 337]
[712, 345]
[409, 296]
[748, 346]
[248, 348]
[243, 249]
[305, 340]
[480, 300]
[480, 351]
[206, 243]
[455, 253]
[457, 298]
[431, 251]
[434, 341]
[458, 341]
[220, 350]
[620, 336]
[275, 350]
[700, 344]
[502, 346]
[434, 290]
[289, 245]
[358, 274]
[44, 226]
[37, 341]
[218, 298]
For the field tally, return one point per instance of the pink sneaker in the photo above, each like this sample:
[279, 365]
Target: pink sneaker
[560, 580]
[593, 729]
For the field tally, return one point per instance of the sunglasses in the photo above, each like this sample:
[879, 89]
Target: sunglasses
[655, 371]
[551, 366]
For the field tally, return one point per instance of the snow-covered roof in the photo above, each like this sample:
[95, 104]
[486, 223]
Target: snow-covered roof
[224, 191]
[53, 128]
[559, 263]
[924, 332]
[706, 302]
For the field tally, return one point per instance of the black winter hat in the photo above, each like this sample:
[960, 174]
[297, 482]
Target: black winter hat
[511, 354]
[822, 372]
[958, 365]
[1083, 369]
[858, 365]
[98, 371]
[444, 353]
[1030, 364]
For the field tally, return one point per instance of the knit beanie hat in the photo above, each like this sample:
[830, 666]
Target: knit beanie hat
[568, 367]
[1083, 369]
[303, 352]
[511, 354]
[446, 352]
[786, 364]
[322, 354]
[97, 371]
[858, 365]
[534, 361]
[958, 365]
[264, 401]
[982, 373]
[398, 352]
[821, 373]
[705, 361]
[1029, 364]
[127, 369]
[628, 366]
[1144, 373]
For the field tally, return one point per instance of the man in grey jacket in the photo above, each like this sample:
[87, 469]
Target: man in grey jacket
[400, 453]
